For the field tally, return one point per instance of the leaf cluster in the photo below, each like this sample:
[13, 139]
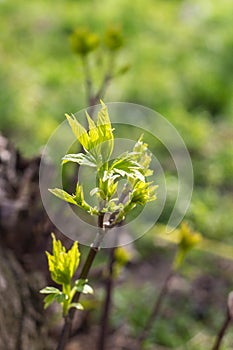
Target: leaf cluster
[62, 266]
[133, 167]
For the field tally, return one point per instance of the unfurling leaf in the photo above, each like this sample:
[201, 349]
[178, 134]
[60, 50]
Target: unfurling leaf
[79, 131]
[80, 158]
[97, 142]
[49, 300]
[63, 195]
[49, 290]
[77, 199]
[107, 186]
[53, 294]
[126, 165]
[142, 193]
[77, 306]
[82, 287]
[143, 157]
[62, 264]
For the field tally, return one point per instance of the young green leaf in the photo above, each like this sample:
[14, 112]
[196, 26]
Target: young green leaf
[82, 287]
[48, 300]
[62, 264]
[143, 156]
[126, 165]
[80, 158]
[49, 290]
[142, 193]
[60, 298]
[77, 306]
[79, 131]
[99, 140]
[107, 185]
[57, 296]
[63, 195]
[77, 199]
[105, 133]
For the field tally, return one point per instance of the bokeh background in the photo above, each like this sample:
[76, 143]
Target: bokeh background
[180, 54]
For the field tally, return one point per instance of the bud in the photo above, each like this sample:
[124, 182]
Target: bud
[113, 39]
[188, 238]
[187, 241]
[83, 41]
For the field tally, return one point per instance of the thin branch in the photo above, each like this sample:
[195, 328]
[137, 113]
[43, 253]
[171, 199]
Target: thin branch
[222, 331]
[106, 81]
[65, 334]
[107, 302]
[108, 76]
[87, 80]
[155, 310]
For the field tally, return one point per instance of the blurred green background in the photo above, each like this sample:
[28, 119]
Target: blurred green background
[181, 57]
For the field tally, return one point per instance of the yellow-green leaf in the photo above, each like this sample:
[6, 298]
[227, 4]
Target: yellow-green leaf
[63, 195]
[79, 131]
[62, 264]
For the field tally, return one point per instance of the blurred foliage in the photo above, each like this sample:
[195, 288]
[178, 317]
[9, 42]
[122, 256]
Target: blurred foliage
[188, 332]
[181, 56]
[113, 39]
[83, 41]
[193, 309]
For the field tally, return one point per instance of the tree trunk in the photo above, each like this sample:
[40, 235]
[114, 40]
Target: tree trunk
[22, 324]
[24, 236]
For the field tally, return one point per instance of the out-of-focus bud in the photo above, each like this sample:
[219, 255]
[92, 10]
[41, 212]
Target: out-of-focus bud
[187, 241]
[122, 257]
[113, 38]
[84, 41]
[230, 304]
[188, 238]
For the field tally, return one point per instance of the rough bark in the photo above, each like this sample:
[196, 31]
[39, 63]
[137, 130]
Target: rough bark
[24, 236]
[22, 325]
[24, 226]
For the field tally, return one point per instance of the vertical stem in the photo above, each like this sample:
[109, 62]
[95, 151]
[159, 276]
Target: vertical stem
[222, 331]
[107, 78]
[107, 302]
[88, 80]
[156, 309]
[65, 334]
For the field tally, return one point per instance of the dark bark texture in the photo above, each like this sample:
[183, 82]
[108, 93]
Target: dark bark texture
[22, 325]
[24, 235]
